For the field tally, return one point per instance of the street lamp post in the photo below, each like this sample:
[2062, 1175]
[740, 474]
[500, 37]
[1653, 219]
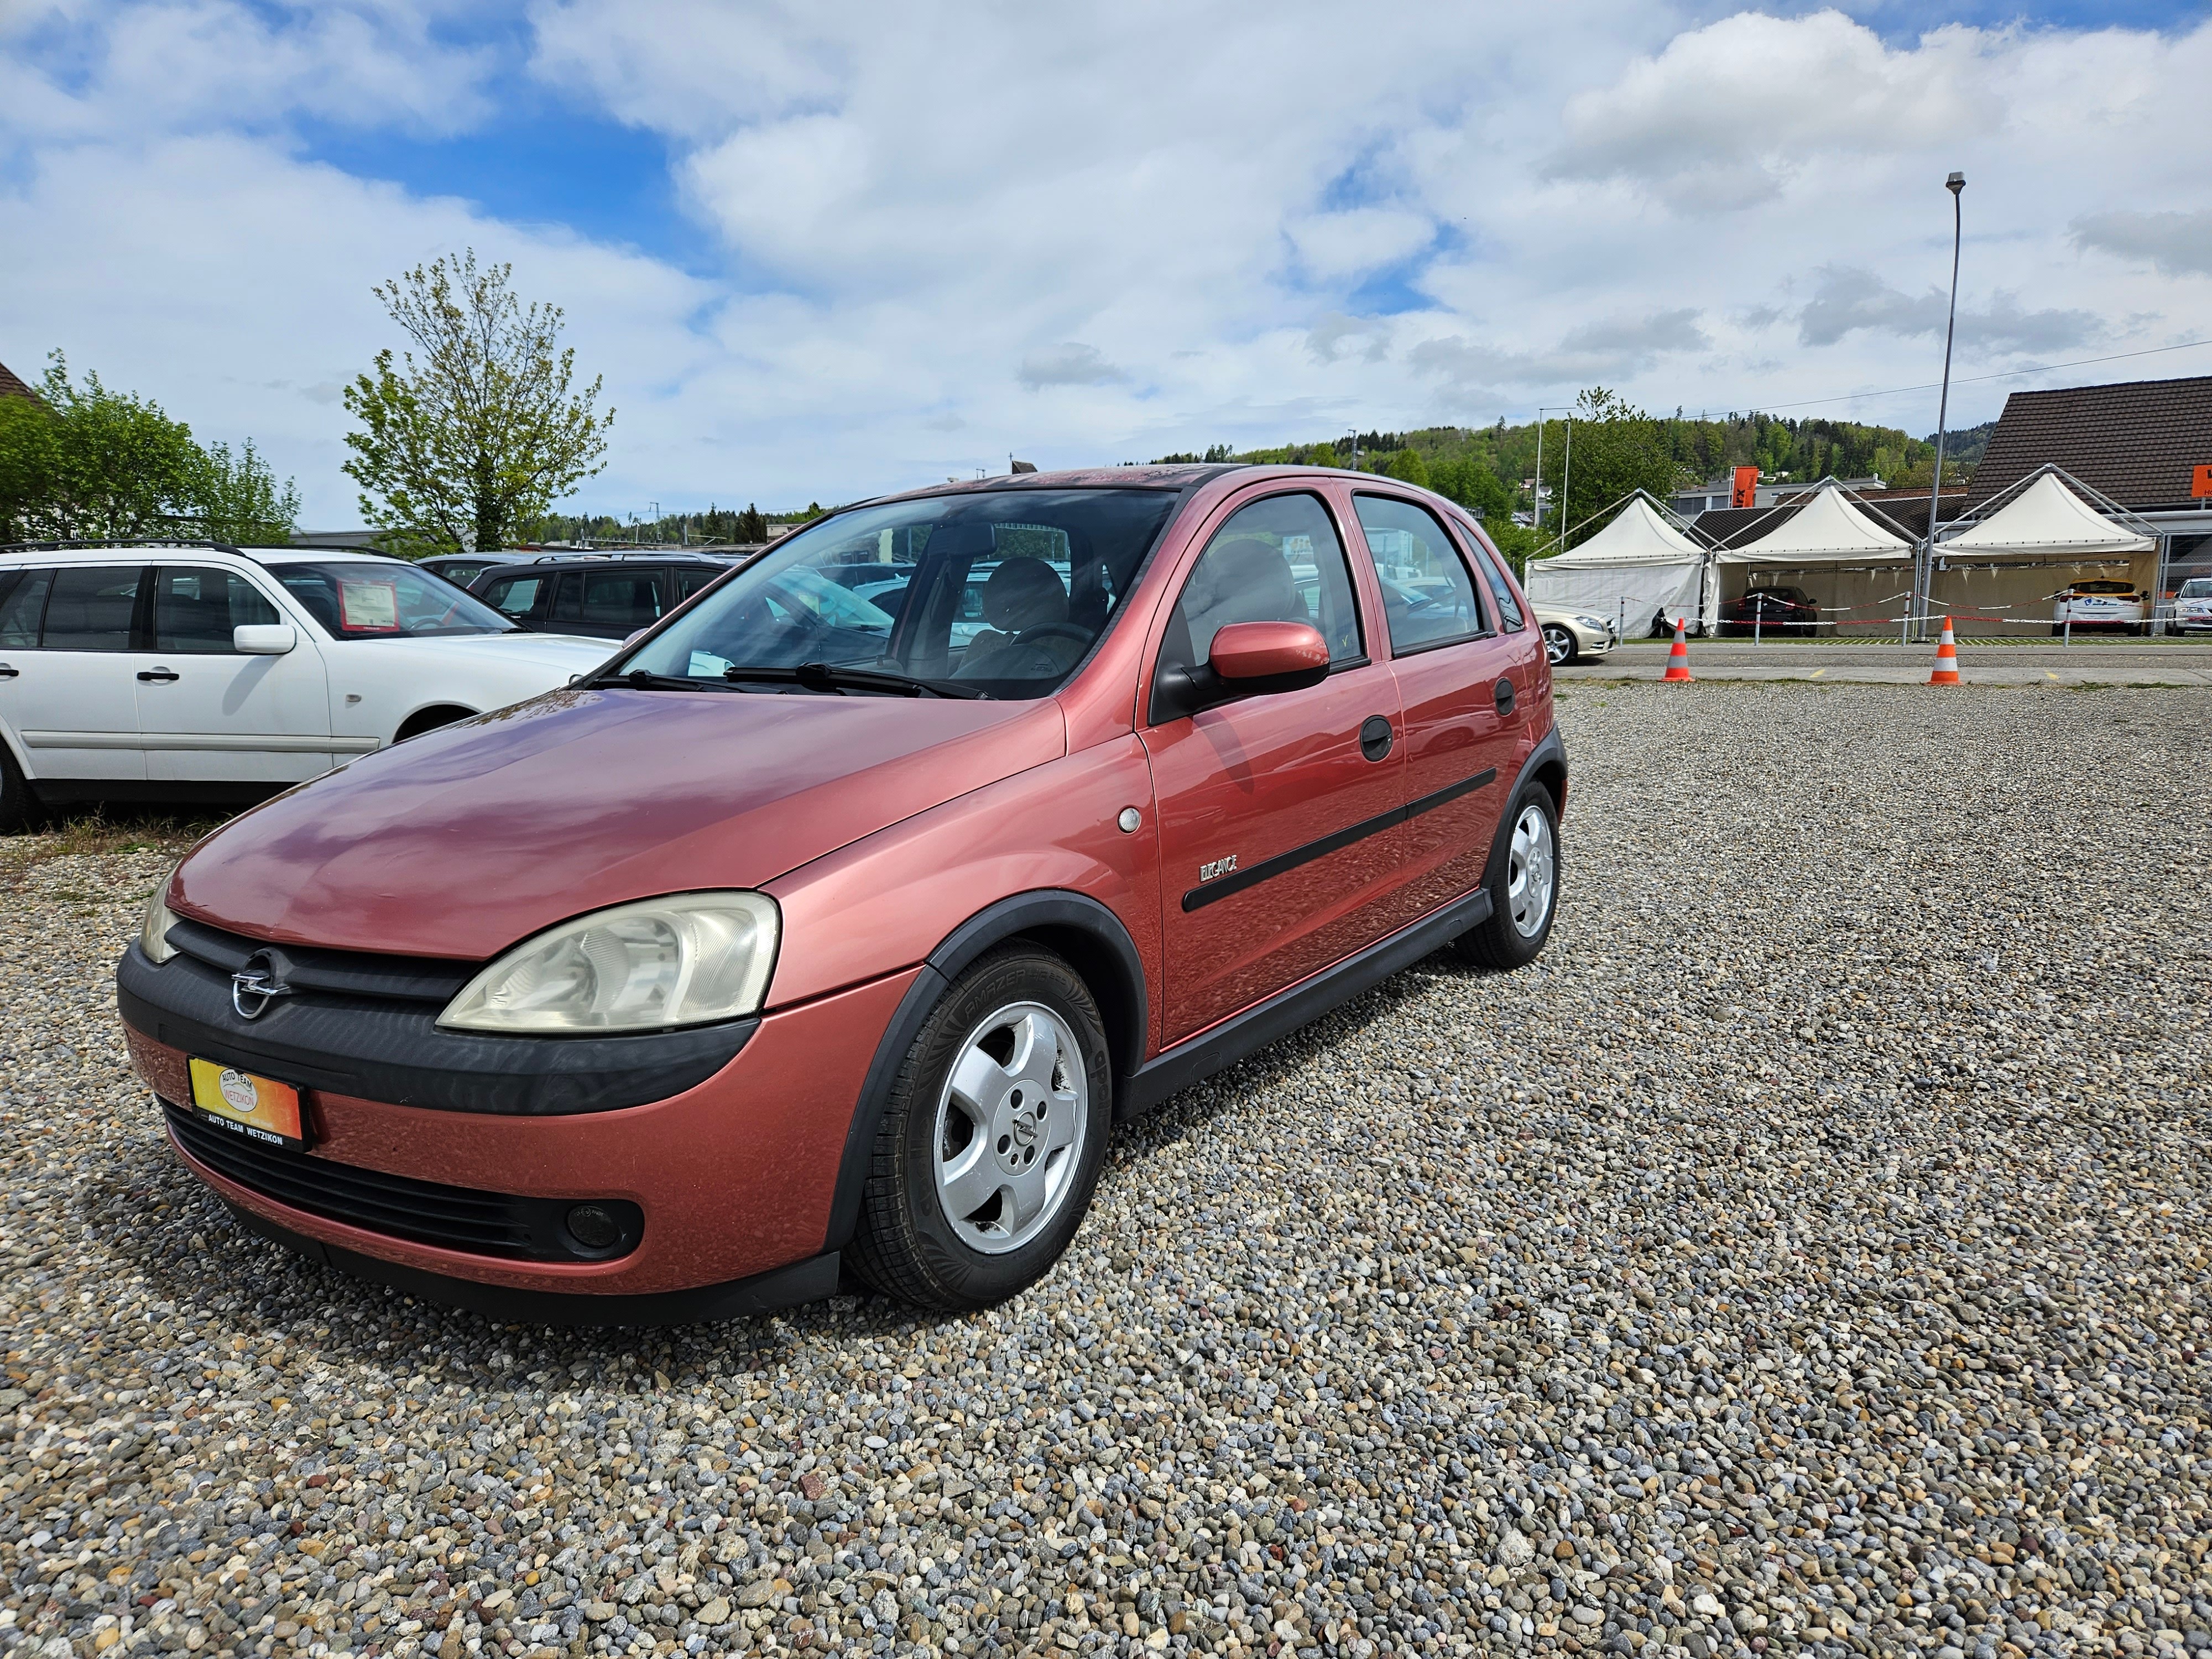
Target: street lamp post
[1955, 184]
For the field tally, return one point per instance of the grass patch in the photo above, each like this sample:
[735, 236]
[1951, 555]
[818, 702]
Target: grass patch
[97, 832]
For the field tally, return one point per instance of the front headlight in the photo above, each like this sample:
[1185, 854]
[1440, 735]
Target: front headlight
[1596, 623]
[682, 960]
[153, 932]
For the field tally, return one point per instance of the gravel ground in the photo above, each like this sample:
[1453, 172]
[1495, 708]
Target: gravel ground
[1808, 1254]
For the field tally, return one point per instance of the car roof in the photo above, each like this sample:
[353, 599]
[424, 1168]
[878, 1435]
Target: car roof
[601, 561]
[266, 556]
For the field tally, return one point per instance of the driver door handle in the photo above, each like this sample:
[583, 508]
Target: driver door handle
[6, 672]
[1375, 738]
[157, 675]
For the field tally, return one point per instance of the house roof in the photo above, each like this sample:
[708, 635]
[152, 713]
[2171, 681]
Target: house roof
[2137, 441]
[12, 385]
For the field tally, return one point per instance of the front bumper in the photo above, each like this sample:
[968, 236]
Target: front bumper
[735, 1176]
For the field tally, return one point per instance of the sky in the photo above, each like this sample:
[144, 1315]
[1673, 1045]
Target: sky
[818, 252]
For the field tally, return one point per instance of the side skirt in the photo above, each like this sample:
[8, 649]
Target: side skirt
[1223, 1046]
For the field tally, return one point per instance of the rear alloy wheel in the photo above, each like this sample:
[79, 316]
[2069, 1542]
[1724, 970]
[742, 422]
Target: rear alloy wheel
[1559, 644]
[14, 795]
[992, 1138]
[1524, 888]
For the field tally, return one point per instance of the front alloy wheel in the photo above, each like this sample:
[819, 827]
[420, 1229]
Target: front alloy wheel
[1559, 644]
[991, 1141]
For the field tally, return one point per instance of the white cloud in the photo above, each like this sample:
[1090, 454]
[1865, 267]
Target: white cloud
[2177, 244]
[921, 245]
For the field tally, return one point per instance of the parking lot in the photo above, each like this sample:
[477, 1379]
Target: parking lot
[1808, 1254]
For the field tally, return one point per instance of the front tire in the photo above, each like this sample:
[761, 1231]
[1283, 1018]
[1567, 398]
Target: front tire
[1524, 888]
[992, 1141]
[1558, 645]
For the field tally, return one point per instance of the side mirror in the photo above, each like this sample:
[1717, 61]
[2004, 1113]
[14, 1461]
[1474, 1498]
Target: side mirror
[1269, 656]
[263, 639]
[1253, 659]
[632, 638]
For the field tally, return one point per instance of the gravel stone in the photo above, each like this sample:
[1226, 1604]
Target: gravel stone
[1808, 1254]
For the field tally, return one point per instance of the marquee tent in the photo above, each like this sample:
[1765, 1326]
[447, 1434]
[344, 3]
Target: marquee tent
[1637, 567]
[1856, 570]
[2000, 572]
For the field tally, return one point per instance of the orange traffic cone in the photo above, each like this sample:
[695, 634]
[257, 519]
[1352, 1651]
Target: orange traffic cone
[1678, 659]
[1947, 659]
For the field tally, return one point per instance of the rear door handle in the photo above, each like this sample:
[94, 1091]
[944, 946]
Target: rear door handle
[1375, 737]
[1503, 691]
[6, 672]
[157, 675]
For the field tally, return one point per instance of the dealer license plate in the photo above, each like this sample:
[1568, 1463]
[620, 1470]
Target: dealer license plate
[258, 1108]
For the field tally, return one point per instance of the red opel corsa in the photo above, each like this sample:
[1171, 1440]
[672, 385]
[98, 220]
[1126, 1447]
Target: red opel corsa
[834, 922]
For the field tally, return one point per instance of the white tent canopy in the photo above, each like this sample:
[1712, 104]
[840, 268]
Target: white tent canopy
[1826, 530]
[2046, 518]
[1636, 567]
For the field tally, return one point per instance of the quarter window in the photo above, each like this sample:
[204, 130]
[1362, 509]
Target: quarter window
[196, 607]
[1278, 560]
[21, 606]
[1428, 595]
[92, 608]
[1509, 608]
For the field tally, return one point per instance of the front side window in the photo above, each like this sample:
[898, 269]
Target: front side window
[22, 602]
[196, 607]
[998, 593]
[364, 601]
[92, 608]
[1428, 595]
[1278, 560]
[515, 596]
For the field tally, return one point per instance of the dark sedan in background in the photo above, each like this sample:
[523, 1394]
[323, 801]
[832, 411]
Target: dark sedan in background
[1771, 610]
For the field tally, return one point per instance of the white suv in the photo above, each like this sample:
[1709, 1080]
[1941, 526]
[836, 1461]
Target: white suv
[190, 670]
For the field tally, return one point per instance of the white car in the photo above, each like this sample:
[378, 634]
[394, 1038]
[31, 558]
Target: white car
[2193, 606]
[183, 671]
[1574, 635]
[2100, 604]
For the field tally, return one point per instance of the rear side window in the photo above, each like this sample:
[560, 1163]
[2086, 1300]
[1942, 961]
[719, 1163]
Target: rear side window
[92, 607]
[619, 599]
[22, 600]
[1278, 560]
[689, 582]
[1509, 608]
[515, 596]
[196, 606]
[1428, 597]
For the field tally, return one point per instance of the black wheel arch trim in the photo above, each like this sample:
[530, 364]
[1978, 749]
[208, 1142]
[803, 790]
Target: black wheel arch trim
[1546, 763]
[1079, 928]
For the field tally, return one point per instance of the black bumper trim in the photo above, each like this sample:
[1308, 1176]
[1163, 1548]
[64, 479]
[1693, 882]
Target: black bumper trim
[394, 1051]
[809, 1280]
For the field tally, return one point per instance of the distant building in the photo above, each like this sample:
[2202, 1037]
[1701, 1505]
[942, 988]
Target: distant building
[13, 386]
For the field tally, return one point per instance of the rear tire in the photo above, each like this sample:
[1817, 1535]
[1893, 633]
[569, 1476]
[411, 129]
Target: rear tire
[16, 806]
[1524, 888]
[992, 1141]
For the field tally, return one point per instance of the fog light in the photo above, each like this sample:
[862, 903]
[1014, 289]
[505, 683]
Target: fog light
[593, 1226]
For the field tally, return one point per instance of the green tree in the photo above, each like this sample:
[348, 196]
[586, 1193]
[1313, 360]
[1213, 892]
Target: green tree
[238, 500]
[1615, 448]
[457, 451]
[1407, 467]
[750, 526]
[29, 460]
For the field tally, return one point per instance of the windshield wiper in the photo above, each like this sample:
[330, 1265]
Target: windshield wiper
[639, 680]
[826, 676]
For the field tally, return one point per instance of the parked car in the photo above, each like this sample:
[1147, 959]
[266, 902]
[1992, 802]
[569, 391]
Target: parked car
[1771, 610]
[2193, 606]
[802, 938]
[192, 672]
[2100, 604]
[1570, 637]
[462, 569]
[597, 596]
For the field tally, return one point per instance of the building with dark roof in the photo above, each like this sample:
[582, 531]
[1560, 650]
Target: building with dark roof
[13, 386]
[2139, 441]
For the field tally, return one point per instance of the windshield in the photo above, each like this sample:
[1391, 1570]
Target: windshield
[364, 601]
[2197, 588]
[997, 595]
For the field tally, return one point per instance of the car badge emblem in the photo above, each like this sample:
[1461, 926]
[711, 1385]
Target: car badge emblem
[1218, 867]
[255, 986]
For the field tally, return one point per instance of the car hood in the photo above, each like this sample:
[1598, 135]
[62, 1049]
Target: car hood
[558, 653]
[461, 841]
